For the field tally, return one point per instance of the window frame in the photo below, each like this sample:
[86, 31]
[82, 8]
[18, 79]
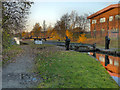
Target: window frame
[102, 20]
[117, 16]
[110, 18]
[94, 21]
[116, 63]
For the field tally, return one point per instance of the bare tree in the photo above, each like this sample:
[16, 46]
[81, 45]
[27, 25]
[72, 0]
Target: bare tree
[83, 22]
[66, 19]
[72, 22]
[15, 15]
[44, 27]
[73, 19]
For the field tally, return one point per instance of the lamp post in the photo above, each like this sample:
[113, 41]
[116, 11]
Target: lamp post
[44, 28]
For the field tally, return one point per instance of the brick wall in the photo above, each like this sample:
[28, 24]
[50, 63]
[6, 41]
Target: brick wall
[107, 25]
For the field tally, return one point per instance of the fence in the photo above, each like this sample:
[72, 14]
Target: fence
[80, 47]
[98, 37]
[97, 34]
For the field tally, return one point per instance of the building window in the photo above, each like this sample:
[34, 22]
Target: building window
[110, 18]
[117, 17]
[102, 20]
[93, 21]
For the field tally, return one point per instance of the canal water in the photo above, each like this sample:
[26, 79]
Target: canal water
[111, 64]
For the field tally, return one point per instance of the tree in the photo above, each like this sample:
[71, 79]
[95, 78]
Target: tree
[55, 35]
[69, 34]
[37, 30]
[83, 22]
[23, 34]
[44, 27]
[14, 16]
[60, 28]
[66, 19]
[71, 23]
[73, 19]
[32, 33]
[82, 38]
[49, 31]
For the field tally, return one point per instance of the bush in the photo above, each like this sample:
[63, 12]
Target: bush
[6, 39]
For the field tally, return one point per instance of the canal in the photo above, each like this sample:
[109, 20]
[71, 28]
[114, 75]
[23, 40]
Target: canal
[111, 64]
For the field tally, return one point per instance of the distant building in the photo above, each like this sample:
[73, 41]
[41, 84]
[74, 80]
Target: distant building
[105, 21]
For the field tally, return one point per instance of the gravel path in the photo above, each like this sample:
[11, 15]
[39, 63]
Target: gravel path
[19, 74]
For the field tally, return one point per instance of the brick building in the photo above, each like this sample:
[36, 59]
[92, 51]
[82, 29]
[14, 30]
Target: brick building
[106, 21]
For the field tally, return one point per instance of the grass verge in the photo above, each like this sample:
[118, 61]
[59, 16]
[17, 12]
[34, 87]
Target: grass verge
[10, 52]
[69, 69]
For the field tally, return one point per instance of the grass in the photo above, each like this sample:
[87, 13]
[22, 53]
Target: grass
[11, 52]
[69, 69]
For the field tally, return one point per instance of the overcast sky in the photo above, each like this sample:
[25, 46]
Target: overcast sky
[52, 11]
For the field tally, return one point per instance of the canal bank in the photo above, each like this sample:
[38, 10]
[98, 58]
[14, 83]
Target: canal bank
[69, 69]
[66, 62]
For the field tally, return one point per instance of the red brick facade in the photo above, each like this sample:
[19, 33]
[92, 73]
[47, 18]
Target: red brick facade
[105, 21]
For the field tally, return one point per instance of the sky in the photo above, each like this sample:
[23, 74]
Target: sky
[52, 11]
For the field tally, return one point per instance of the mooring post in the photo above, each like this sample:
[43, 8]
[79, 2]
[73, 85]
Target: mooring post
[94, 49]
[67, 42]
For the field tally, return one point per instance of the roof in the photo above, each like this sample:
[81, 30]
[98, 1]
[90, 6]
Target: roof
[104, 10]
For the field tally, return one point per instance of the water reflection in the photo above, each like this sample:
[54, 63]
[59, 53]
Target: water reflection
[106, 60]
[111, 64]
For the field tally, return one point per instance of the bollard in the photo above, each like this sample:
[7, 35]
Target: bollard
[107, 42]
[94, 49]
[67, 42]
